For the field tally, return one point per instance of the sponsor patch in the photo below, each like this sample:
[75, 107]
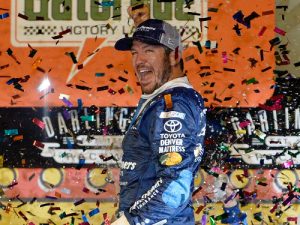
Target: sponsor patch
[172, 126]
[170, 159]
[198, 150]
[147, 196]
[172, 114]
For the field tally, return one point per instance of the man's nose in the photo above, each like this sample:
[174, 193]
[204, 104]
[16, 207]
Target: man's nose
[140, 58]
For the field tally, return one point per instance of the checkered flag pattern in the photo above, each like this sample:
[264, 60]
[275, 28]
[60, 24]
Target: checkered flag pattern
[40, 30]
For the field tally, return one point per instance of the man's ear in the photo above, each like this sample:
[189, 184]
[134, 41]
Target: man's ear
[175, 57]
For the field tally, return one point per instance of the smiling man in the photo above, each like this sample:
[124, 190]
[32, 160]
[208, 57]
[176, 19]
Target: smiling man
[164, 142]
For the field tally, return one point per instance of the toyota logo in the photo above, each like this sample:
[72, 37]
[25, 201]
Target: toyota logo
[172, 126]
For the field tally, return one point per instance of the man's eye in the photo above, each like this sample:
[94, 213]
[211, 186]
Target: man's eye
[149, 51]
[133, 53]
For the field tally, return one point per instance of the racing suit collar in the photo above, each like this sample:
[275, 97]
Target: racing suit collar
[178, 82]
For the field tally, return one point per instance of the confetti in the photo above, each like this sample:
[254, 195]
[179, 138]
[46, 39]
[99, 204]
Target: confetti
[212, 10]
[79, 202]
[103, 88]
[250, 81]
[67, 102]
[129, 89]
[288, 164]
[99, 74]
[4, 66]
[239, 17]
[224, 57]
[274, 41]
[23, 216]
[106, 219]
[65, 32]
[297, 64]
[36, 63]
[205, 19]
[279, 31]
[266, 69]
[11, 132]
[236, 51]
[197, 43]
[203, 219]
[80, 164]
[23, 16]
[289, 199]
[66, 191]
[4, 16]
[87, 118]
[194, 13]
[261, 53]
[262, 31]
[38, 144]
[39, 123]
[188, 58]
[57, 37]
[111, 91]
[227, 98]
[266, 13]
[62, 215]
[94, 212]
[230, 197]
[121, 91]
[237, 29]
[260, 134]
[229, 69]
[258, 216]
[61, 96]
[1, 161]
[73, 57]
[81, 87]
[39, 18]
[122, 79]
[18, 138]
[10, 53]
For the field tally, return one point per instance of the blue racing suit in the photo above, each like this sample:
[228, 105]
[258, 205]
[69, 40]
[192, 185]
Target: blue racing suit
[162, 150]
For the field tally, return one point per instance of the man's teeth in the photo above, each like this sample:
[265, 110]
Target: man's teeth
[144, 71]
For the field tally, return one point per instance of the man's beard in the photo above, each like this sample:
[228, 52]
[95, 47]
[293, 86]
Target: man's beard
[166, 74]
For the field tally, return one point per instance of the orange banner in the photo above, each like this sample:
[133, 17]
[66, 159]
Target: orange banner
[228, 56]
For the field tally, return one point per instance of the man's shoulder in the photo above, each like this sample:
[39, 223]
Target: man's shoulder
[185, 94]
[180, 98]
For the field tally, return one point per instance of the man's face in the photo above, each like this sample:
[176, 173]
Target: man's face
[151, 65]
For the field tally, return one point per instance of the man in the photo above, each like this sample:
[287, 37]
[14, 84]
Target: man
[163, 145]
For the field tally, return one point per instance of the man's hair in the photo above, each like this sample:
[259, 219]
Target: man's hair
[168, 52]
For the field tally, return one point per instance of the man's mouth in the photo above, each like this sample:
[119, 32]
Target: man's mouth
[144, 72]
[145, 75]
